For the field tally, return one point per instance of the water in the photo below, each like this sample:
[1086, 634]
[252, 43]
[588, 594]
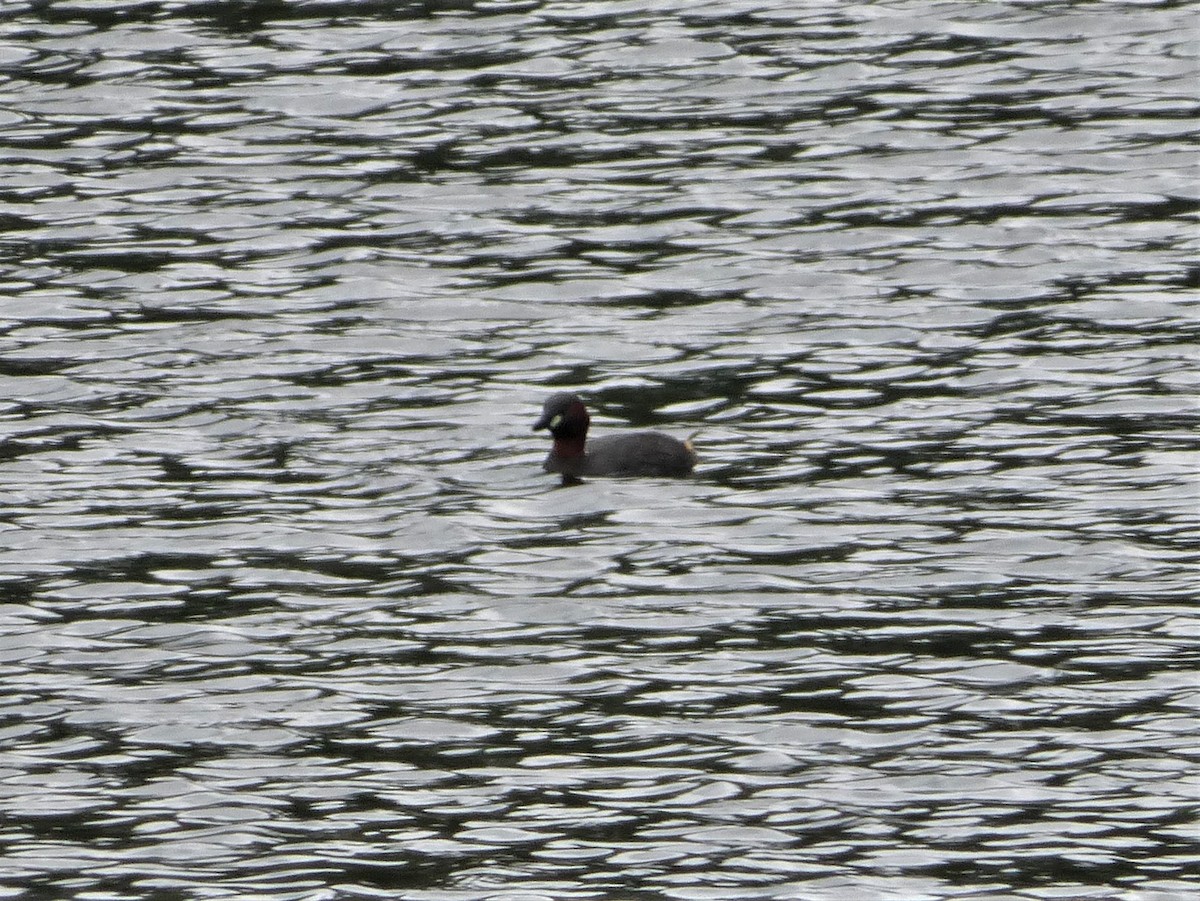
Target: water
[289, 610]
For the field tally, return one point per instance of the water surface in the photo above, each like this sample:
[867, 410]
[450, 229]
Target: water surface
[288, 609]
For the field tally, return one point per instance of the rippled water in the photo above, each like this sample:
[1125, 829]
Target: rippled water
[289, 610]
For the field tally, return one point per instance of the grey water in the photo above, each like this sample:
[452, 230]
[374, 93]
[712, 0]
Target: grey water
[289, 610]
